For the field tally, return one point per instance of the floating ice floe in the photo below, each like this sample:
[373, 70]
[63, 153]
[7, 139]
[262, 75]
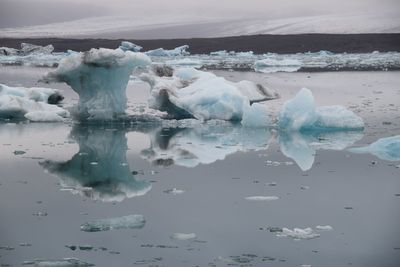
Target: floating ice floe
[161, 52]
[190, 93]
[269, 65]
[298, 233]
[324, 227]
[385, 148]
[66, 262]
[100, 77]
[34, 104]
[124, 222]
[301, 114]
[183, 236]
[98, 171]
[262, 198]
[128, 46]
[190, 147]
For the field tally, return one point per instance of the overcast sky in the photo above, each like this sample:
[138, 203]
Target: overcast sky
[15, 13]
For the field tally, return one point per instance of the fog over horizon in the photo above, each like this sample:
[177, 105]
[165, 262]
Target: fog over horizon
[18, 13]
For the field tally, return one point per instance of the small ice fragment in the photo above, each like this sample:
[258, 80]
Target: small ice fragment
[66, 262]
[183, 236]
[71, 247]
[125, 222]
[271, 184]
[40, 213]
[324, 227]
[262, 198]
[94, 163]
[86, 247]
[174, 191]
[19, 152]
[25, 244]
[298, 233]
[274, 229]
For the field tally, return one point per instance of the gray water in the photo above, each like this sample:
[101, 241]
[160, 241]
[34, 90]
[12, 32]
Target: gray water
[73, 174]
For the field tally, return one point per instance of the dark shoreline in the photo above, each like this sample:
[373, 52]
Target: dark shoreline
[298, 43]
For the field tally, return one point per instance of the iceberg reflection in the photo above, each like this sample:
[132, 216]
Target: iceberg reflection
[100, 169]
[302, 146]
[206, 144]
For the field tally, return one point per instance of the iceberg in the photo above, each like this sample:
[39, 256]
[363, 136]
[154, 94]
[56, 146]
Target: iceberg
[301, 114]
[385, 148]
[125, 222]
[100, 77]
[161, 52]
[34, 104]
[302, 146]
[99, 170]
[128, 46]
[190, 93]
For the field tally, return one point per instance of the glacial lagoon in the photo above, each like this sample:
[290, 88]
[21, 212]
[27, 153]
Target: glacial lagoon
[204, 194]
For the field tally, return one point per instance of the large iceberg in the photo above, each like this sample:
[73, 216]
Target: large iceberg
[301, 114]
[99, 170]
[385, 148]
[34, 104]
[161, 52]
[100, 77]
[190, 93]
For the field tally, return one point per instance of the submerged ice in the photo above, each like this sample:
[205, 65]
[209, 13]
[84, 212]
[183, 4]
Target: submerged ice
[385, 148]
[34, 104]
[100, 77]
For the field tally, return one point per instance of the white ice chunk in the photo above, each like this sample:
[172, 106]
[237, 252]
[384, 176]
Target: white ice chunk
[161, 52]
[270, 65]
[190, 93]
[66, 262]
[300, 113]
[128, 46]
[255, 116]
[262, 198]
[100, 77]
[183, 236]
[385, 148]
[324, 227]
[43, 116]
[30, 103]
[27, 49]
[298, 233]
[125, 222]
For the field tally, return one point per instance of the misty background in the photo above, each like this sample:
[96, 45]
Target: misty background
[193, 18]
